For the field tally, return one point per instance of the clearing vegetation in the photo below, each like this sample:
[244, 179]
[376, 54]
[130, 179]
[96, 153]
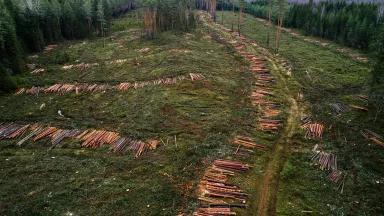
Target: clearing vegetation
[167, 110]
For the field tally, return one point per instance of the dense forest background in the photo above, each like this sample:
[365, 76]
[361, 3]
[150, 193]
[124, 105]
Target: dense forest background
[29, 25]
[351, 24]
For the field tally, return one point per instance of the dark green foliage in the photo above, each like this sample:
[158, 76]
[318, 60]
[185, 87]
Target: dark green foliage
[168, 15]
[36, 23]
[6, 82]
[350, 24]
[377, 90]
[10, 53]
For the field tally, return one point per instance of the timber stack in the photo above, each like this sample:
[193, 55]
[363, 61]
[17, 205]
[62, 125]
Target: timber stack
[92, 88]
[246, 144]
[216, 195]
[88, 138]
[261, 96]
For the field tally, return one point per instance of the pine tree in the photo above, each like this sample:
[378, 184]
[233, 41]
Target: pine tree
[10, 52]
[67, 20]
[377, 87]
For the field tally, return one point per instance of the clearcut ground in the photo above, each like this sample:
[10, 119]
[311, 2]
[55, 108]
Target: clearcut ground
[194, 120]
[326, 76]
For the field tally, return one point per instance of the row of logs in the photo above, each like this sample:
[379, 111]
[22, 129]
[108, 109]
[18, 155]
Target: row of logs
[89, 65]
[217, 193]
[246, 144]
[77, 88]
[259, 97]
[313, 130]
[88, 138]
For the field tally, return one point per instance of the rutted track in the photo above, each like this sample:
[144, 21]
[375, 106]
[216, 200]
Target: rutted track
[267, 197]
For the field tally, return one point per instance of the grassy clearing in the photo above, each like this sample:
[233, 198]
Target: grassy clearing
[202, 115]
[327, 76]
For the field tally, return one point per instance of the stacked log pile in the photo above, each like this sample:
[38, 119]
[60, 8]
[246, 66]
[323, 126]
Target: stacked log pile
[88, 138]
[328, 162]
[91, 88]
[246, 144]
[263, 92]
[216, 195]
[313, 130]
[269, 125]
[216, 192]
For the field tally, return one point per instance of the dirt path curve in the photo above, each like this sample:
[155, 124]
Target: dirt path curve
[267, 197]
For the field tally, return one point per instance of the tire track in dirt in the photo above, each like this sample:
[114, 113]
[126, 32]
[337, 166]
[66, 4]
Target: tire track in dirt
[278, 157]
[268, 194]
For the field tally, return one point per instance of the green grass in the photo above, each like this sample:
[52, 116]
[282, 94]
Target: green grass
[327, 76]
[202, 115]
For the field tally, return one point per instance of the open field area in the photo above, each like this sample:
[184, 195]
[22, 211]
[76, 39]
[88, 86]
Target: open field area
[192, 122]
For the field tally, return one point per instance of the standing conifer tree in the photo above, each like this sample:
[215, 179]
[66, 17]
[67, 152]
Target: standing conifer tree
[68, 20]
[10, 52]
[377, 87]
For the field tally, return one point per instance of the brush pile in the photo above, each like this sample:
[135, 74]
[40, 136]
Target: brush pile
[339, 108]
[92, 88]
[214, 189]
[372, 136]
[247, 143]
[88, 138]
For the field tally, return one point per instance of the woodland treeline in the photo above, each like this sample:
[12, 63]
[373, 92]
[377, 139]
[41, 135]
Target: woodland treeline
[162, 15]
[353, 25]
[29, 25]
